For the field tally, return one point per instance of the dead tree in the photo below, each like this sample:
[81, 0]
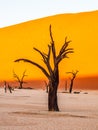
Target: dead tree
[52, 72]
[72, 79]
[66, 86]
[9, 88]
[20, 80]
[5, 86]
[47, 86]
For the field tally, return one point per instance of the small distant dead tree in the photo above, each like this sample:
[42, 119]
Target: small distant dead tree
[65, 85]
[5, 86]
[10, 88]
[74, 73]
[20, 80]
[47, 86]
[52, 71]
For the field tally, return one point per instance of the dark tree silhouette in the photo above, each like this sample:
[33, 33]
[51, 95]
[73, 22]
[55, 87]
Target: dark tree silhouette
[72, 79]
[52, 72]
[20, 80]
[66, 86]
[5, 86]
[47, 86]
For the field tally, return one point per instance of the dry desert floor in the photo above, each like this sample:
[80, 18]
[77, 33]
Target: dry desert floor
[26, 109]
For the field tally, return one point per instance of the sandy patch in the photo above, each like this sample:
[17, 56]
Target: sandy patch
[27, 110]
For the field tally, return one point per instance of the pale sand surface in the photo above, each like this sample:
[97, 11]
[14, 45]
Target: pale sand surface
[27, 110]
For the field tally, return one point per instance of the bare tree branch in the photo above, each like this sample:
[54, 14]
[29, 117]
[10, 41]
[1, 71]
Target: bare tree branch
[74, 73]
[31, 62]
[43, 55]
[46, 58]
[51, 34]
[65, 45]
[49, 52]
[16, 76]
[52, 45]
[60, 58]
[23, 75]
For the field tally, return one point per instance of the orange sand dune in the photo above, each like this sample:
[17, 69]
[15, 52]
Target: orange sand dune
[17, 41]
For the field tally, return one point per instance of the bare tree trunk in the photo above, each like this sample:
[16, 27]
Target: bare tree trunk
[52, 95]
[71, 85]
[72, 80]
[20, 87]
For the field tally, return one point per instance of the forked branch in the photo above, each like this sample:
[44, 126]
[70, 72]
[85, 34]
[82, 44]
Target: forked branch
[74, 73]
[20, 79]
[46, 58]
[16, 76]
[64, 51]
